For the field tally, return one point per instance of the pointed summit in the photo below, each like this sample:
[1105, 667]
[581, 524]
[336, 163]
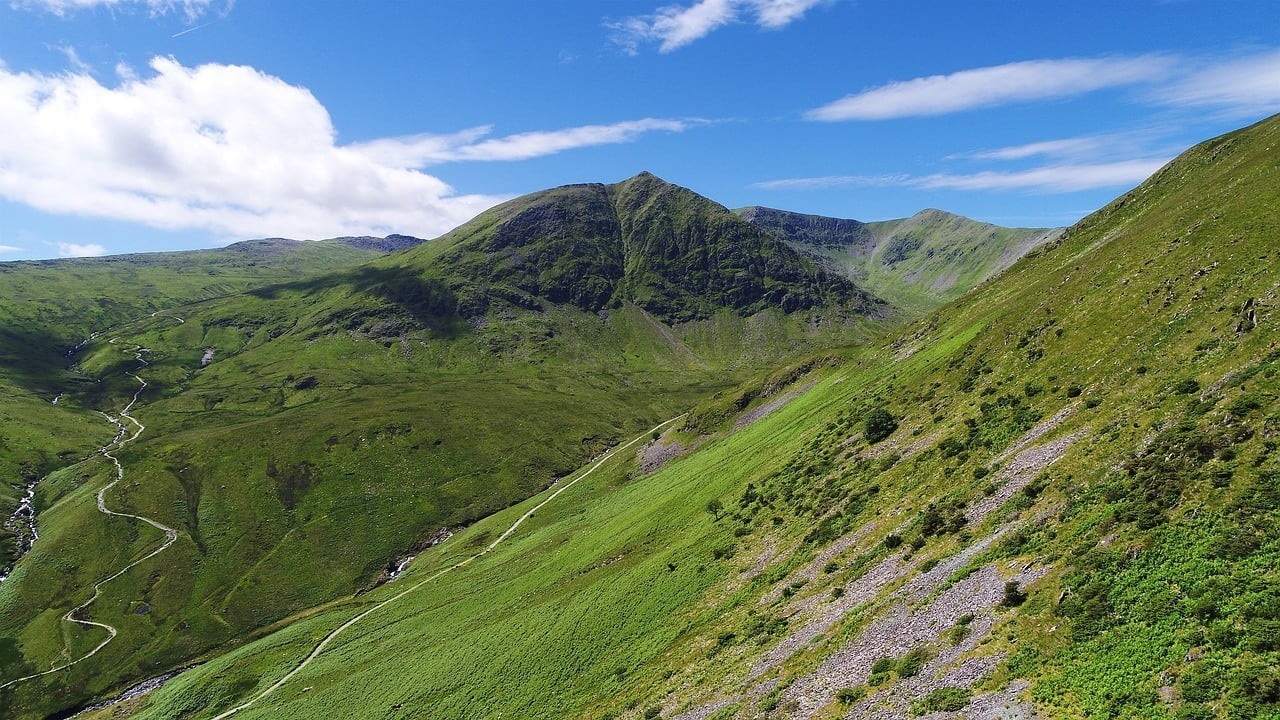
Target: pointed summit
[643, 241]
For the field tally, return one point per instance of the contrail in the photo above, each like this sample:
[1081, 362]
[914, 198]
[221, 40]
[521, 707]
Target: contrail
[184, 32]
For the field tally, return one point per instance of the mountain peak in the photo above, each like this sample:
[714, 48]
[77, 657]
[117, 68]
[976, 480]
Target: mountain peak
[670, 251]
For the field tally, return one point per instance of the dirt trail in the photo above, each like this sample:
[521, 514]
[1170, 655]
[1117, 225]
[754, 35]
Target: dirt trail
[315, 652]
[121, 439]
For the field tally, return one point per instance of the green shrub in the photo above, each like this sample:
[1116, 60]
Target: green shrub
[879, 425]
[909, 665]
[1187, 386]
[949, 699]
[849, 696]
[1013, 595]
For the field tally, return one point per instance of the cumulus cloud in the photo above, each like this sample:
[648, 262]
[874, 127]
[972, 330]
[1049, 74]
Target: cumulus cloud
[191, 8]
[674, 26]
[990, 86]
[1046, 179]
[74, 250]
[238, 152]
[1242, 86]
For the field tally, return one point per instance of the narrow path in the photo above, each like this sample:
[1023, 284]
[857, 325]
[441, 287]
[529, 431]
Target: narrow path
[122, 439]
[456, 566]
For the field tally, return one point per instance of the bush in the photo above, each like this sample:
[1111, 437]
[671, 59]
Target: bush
[1187, 386]
[892, 541]
[949, 699]
[1013, 595]
[879, 425]
[849, 696]
[1074, 390]
[910, 664]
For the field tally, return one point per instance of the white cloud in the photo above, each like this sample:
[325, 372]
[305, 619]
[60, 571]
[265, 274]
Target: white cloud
[1148, 141]
[827, 182]
[191, 8]
[1047, 179]
[997, 85]
[417, 151]
[1067, 147]
[9, 248]
[73, 58]
[1243, 86]
[74, 250]
[780, 13]
[674, 26]
[238, 152]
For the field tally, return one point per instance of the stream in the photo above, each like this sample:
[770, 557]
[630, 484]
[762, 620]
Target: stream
[22, 523]
[123, 437]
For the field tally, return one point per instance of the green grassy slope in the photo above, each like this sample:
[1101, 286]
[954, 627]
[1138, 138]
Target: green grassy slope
[917, 263]
[1059, 493]
[49, 306]
[346, 418]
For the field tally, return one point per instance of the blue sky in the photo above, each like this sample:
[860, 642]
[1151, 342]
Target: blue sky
[139, 125]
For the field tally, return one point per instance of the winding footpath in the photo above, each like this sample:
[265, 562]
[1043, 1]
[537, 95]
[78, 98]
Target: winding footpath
[121, 439]
[315, 652]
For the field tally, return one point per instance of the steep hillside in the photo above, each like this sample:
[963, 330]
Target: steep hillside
[916, 263]
[47, 307]
[303, 438]
[1058, 496]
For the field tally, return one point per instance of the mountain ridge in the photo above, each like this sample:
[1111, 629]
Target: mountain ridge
[917, 263]
[1058, 495]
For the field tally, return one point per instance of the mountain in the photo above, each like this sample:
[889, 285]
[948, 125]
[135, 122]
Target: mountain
[917, 263]
[304, 437]
[1058, 495]
[645, 242]
[52, 306]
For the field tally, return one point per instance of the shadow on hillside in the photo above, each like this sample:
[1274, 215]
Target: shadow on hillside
[33, 358]
[428, 301]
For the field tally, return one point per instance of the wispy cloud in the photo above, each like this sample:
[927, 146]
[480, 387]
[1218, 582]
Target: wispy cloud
[73, 58]
[1146, 142]
[9, 248]
[1241, 86]
[417, 151]
[991, 86]
[1047, 179]
[74, 250]
[1067, 147]
[827, 182]
[192, 9]
[675, 26]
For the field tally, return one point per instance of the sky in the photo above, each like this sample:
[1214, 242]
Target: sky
[151, 125]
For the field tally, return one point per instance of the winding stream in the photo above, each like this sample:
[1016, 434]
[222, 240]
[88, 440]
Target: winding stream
[22, 523]
[122, 438]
